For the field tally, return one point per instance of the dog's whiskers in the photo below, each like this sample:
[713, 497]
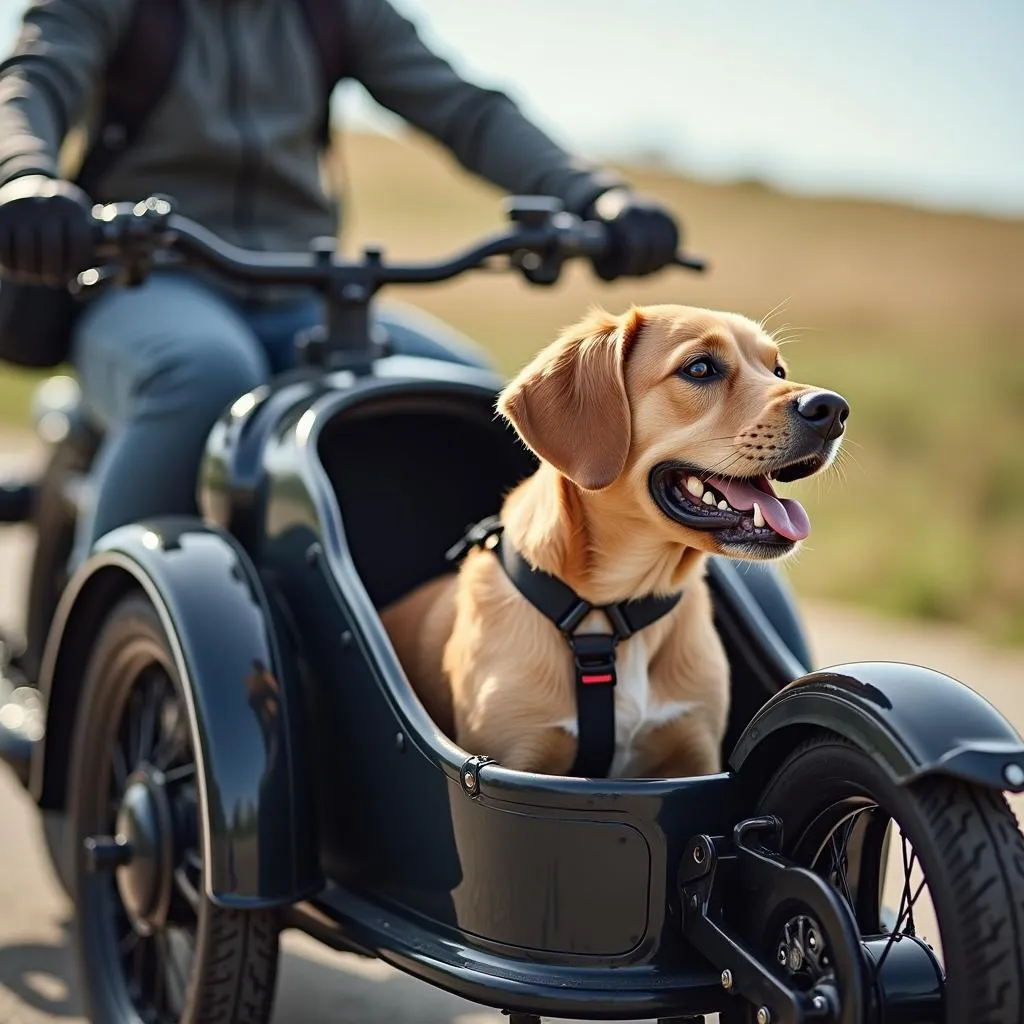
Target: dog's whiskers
[762, 323]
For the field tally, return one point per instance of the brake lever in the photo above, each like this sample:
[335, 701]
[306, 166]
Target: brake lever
[695, 263]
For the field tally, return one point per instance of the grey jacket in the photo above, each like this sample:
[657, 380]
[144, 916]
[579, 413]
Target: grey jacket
[235, 141]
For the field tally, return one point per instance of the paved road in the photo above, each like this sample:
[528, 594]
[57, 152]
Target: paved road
[318, 986]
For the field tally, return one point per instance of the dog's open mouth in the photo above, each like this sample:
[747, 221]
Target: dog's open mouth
[740, 511]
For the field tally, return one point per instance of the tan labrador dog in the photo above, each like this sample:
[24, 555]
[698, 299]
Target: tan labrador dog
[659, 432]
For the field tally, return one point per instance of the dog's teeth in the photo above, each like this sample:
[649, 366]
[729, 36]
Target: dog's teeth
[694, 486]
[709, 498]
[723, 505]
[758, 518]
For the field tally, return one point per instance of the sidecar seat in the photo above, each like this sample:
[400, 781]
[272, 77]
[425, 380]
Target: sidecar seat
[411, 471]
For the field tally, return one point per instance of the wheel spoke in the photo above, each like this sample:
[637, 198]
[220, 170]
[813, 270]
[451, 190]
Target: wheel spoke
[839, 862]
[161, 966]
[170, 741]
[119, 767]
[139, 966]
[180, 773]
[908, 867]
[178, 973]
[907, 901]
[147, 720]
[186, 888]
[129, 941]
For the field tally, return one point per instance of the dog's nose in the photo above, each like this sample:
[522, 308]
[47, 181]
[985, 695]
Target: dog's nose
[824, 412]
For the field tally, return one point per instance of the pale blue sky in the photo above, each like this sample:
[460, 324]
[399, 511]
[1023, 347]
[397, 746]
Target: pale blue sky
[908, 99]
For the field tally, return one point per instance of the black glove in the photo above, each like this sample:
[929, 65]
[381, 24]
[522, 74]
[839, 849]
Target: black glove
[643, 235]
[45, 230]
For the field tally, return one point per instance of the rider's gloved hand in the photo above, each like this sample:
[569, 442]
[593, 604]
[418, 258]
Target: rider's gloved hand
[644, 235]
[45, 230]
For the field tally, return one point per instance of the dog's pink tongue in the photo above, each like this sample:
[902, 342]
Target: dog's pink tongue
[784, 515]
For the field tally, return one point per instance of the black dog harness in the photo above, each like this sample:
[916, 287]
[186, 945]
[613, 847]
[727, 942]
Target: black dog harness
[593, 653]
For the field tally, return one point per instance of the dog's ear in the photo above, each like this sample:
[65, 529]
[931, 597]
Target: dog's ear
[569, 404]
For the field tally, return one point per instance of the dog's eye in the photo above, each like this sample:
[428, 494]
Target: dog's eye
[700, 369]
[780, 371]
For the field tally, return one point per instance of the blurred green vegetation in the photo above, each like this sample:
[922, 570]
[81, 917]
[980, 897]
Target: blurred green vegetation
[915, 316]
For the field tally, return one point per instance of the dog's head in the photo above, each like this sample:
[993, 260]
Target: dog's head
[685, 414]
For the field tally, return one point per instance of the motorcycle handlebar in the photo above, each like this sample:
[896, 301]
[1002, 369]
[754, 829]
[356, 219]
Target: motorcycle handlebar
[541, 238]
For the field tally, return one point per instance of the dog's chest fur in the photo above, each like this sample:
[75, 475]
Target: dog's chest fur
[638, 710]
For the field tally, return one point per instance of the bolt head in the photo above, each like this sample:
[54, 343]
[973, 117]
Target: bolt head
[727, 980]
[818, 1002]
[1014, 774]
[783, 954]
[764, 1015]
[698, 853]
[812, 941]
[469, 779]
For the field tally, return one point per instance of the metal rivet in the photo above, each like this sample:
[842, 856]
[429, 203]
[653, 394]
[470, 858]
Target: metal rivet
[727, 980]
[346, 638]
[764, 1015]
[818, 1002]
[698, 853]
[1014, 775]
[313, 554]
[400, 742]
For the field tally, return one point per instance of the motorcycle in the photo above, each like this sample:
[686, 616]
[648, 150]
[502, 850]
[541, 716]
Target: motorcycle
[228, 745]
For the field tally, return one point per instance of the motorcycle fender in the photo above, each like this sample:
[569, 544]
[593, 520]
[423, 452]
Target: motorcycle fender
[913, 721]
[240, 690]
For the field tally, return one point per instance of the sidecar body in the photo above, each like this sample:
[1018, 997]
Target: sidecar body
[328, 793]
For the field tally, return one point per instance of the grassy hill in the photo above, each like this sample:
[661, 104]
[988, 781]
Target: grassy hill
[915, 316]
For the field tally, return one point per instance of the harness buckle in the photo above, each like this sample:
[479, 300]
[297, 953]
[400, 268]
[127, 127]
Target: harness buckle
[594, 654]
[477, 535]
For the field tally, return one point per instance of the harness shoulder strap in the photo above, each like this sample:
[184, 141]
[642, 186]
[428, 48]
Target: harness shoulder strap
[137, 76]
[327, 22]
[593, 653]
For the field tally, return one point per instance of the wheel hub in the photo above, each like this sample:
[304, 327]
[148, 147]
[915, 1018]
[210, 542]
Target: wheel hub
[144, 821]
[802, 951]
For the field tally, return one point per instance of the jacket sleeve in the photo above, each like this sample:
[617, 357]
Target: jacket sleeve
[483, 128]
[48, 79]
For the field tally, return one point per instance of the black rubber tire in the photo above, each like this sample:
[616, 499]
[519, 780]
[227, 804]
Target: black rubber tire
[54, 827]
[234, 968]
[971, 852]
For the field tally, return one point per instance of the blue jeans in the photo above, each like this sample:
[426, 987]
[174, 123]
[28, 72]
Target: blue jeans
[159, 363]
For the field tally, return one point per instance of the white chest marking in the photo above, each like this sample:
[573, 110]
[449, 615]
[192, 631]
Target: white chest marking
[636, 711]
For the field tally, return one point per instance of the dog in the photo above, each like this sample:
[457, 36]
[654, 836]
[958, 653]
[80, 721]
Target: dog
[658, 432]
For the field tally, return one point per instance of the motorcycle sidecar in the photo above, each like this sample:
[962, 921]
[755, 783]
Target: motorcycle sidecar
[269, 764]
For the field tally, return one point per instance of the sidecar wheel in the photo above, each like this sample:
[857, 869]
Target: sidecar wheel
[840, 815]
[151, 948]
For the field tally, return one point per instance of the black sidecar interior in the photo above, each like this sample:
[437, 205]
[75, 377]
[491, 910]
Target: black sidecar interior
[411, 472]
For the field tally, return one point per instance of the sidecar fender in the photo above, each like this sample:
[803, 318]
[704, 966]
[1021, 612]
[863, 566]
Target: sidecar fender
[913, 721]
[241, 693]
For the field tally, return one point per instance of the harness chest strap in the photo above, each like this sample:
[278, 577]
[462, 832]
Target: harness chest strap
[593, 653]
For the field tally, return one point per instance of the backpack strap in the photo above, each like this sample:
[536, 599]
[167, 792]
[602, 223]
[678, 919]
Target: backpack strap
[327, 22]
[138, 74]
